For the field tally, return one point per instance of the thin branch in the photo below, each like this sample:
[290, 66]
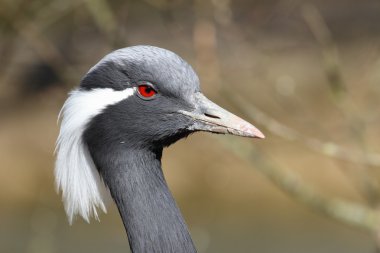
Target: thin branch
[326, 148]
[368, 185]
[323, 35]
[346, 212]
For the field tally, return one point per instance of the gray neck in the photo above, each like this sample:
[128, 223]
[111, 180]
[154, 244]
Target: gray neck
[150, 215]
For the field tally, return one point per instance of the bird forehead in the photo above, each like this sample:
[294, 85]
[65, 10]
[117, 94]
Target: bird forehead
[163, 68]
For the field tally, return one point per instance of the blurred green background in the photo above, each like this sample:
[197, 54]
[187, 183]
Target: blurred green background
[307, 73]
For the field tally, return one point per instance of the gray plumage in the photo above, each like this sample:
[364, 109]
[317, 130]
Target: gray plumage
[125, 137]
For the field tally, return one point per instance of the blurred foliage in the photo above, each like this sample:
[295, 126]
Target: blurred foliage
[306, 72]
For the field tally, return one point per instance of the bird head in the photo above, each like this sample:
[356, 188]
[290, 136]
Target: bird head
[137, 97]
[164, 100]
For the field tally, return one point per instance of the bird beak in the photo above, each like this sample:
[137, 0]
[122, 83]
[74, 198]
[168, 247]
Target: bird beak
[210, 117]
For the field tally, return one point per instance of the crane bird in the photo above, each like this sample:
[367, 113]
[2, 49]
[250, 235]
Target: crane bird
[114, 126]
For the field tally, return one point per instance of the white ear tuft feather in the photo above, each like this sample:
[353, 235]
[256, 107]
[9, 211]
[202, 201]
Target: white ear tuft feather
[75, 172]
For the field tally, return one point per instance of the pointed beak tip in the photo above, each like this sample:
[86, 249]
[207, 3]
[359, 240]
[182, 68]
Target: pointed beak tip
[251, 131]
[258, 134]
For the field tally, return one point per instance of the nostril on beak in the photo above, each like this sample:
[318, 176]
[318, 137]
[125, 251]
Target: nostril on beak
[211, 116]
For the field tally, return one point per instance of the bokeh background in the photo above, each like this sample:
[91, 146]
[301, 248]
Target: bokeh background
[307, 73]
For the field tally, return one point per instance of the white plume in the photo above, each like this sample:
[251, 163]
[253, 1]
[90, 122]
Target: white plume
[75, 172]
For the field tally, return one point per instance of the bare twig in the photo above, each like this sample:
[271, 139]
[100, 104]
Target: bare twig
[355, 122]
[330, 53]
[343, 211]
[327, 148]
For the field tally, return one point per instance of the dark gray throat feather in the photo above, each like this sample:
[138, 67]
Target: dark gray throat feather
[150, 215]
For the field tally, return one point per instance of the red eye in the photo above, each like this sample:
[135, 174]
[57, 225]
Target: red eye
[146, 91]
